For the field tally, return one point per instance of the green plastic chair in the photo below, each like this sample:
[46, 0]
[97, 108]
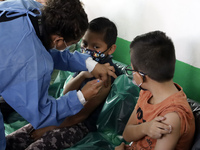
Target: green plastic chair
[113, 117]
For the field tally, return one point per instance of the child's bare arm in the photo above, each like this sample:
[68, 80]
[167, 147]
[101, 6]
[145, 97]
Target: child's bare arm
[154, 129]
[130, 128]
[169, 141]
[75, 83]
[89, 107]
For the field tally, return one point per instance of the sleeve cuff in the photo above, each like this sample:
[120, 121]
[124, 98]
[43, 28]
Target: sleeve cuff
[90, 64]
[81, 97]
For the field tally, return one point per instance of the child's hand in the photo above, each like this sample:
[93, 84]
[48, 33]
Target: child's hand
[37, 134]
[156, 128]
[122, 146]
[86, 74]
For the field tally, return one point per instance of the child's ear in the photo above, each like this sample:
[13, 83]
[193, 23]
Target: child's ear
[112, 49]
[138, 78]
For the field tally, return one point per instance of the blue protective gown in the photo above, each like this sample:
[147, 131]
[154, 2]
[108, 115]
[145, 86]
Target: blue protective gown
[26, 67]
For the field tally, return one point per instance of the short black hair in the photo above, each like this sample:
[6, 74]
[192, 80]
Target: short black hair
[104, 26]
[154, 54]
[65, 18]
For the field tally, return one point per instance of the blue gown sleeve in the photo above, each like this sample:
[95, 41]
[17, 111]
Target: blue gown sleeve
[24, 85]
[66, 60]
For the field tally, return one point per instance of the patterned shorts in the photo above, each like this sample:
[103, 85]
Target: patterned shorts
[52, 140]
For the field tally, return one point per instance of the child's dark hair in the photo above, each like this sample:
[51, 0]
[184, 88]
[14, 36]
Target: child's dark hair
[104, 26]
[65, 18]
[153, 53]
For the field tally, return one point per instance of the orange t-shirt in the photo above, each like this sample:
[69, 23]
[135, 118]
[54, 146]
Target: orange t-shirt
[175, 103]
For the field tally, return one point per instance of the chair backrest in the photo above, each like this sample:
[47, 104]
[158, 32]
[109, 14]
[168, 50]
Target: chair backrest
[196, 111]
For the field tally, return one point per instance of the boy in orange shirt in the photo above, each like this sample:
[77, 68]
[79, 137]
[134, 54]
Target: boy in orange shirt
[162, 118]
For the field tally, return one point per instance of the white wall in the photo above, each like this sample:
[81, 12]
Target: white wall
[178, 18]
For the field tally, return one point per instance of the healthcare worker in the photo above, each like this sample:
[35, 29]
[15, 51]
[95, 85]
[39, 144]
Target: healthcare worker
[31, 37]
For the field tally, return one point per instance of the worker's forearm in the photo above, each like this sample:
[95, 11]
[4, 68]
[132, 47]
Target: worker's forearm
[134, 132]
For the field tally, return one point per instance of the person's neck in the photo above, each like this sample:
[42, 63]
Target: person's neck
[161, 91]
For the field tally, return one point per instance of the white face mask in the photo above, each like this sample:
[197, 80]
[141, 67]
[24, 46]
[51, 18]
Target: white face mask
[66, 48]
